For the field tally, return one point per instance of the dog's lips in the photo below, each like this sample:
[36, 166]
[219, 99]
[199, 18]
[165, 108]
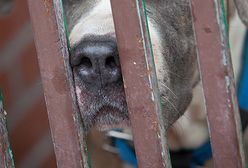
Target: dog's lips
[125, 124]
[103, 109]
[123, 120]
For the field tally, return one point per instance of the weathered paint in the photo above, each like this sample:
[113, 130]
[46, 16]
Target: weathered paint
[140, 83]
[51, 44]
[218, 84]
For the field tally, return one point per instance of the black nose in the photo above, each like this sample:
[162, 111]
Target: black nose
[96, 61]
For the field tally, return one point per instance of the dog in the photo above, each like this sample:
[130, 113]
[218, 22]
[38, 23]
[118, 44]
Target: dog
[96, 67]
[97, 72]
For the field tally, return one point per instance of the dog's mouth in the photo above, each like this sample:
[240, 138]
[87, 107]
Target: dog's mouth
[109, 117]
[105, 118]
[104, 110]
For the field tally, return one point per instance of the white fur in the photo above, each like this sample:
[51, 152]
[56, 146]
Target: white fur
[98, 21]
[190, 130]
[237, 32]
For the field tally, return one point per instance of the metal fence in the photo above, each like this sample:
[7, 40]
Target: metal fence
[150, 145]
[6, 158]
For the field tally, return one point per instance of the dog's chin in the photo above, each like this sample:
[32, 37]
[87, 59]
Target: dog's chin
[110, 118]
[107, 118]
[125, 124]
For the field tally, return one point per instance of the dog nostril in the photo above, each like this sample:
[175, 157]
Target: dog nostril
[86, 62]
[110, 62]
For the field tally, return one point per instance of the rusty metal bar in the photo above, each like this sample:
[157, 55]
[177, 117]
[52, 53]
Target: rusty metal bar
[140, 83]
[51, 45]
[218, 84]
[6, 158]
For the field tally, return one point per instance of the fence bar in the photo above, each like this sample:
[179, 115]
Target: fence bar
[218, 84]
[140, 83]
[51, 45]
[6, 158]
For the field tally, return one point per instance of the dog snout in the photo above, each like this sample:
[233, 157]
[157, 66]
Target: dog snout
[96, 61]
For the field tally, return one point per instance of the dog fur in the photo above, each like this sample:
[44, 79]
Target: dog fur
[170, 24]
[174, 51]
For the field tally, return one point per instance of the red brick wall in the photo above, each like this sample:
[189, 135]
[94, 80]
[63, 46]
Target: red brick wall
[20, 82]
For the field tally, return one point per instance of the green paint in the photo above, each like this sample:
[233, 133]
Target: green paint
[224, 14]
[1, 101]
[89, 158]
[148, 32]
[1, 96]
[89, 163]
[65, 25]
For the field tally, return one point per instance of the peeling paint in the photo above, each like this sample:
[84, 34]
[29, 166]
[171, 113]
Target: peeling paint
[219, 95]
[228, 83]
[153, 98]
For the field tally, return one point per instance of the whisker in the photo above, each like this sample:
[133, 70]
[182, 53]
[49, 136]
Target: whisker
[168, 71]
[164, 85]
[166, 99]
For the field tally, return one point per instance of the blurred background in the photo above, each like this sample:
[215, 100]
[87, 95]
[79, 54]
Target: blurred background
[21, 86]
[23, 95]
[24, 102]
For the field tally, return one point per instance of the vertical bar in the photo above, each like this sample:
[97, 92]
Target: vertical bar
[6, 158]
[140, 83]
[50, 39]
[218, 83]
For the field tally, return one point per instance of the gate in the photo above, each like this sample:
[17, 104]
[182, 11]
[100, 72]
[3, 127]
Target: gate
[150, 145]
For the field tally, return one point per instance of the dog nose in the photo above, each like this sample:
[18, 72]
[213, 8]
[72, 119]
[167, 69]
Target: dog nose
[96, 60]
